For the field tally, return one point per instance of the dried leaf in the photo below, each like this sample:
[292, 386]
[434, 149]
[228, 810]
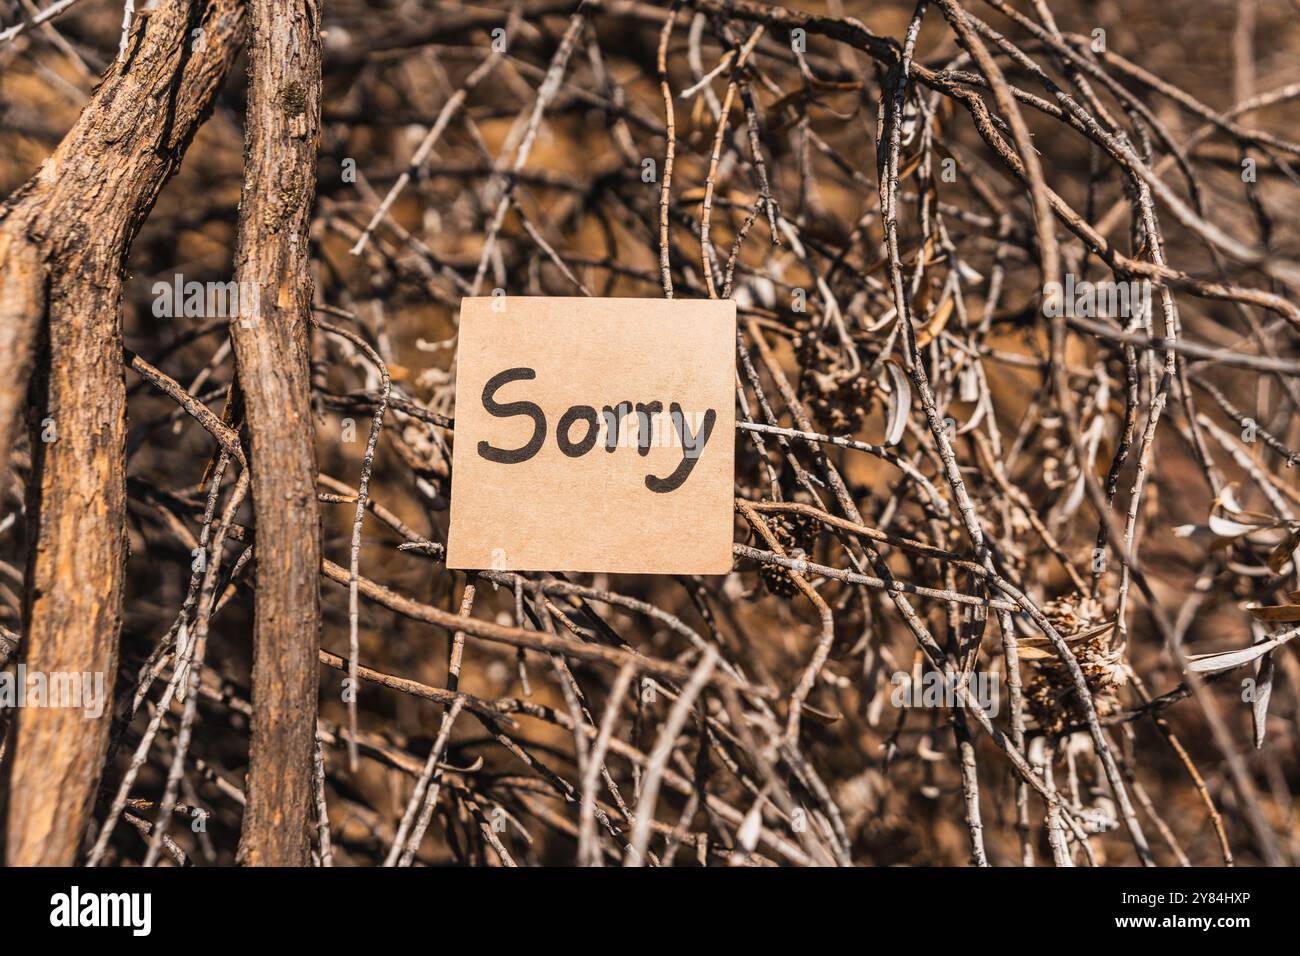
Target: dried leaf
[1275, 613]
[1038, 647]
[1202, 535]
[1228, 528]
[1229, 520]
[900, 403]
[1280, 555]
[936, 323]
[751, 827]
[975, 419]
[821, 716]
[1227, 660]
[1263, 691]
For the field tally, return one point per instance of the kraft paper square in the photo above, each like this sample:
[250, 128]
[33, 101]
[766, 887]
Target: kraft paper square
[653, 378]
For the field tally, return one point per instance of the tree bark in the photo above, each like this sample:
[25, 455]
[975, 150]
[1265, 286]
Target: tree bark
[271, 352]
[64, 240]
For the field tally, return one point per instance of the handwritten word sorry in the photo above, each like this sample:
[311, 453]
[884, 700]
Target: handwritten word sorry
[612, 422]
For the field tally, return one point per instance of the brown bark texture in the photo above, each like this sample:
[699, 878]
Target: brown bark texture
[271, 353]
[64, 239]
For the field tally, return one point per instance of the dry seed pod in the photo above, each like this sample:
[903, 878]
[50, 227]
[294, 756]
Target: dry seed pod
[797, 534]
[1051, 695]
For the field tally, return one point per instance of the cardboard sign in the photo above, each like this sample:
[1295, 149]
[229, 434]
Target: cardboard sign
[594, 435]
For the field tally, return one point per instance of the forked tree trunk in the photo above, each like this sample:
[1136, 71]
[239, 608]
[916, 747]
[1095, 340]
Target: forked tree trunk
[64, 240]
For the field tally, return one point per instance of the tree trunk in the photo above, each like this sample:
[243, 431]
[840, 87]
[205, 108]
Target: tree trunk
[271, 352]
[64, 240]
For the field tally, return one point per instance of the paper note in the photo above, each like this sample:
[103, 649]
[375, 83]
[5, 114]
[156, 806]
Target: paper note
[594, 435]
